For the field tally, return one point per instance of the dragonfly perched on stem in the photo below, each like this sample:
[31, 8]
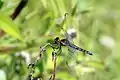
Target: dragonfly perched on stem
[57, 47]
[67, 41]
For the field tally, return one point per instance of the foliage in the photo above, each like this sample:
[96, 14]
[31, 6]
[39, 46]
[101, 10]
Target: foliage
[97, 27]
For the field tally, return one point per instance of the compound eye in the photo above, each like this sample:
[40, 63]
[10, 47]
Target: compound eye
[57, 38]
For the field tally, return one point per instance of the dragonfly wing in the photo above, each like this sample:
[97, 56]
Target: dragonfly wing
[71, 57]
[68, 37]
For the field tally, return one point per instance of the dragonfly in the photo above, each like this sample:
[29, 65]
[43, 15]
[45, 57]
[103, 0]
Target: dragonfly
[67, 41]
[57, 45]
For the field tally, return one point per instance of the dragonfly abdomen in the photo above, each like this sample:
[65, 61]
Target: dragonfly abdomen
[75, 47]
[82, 50]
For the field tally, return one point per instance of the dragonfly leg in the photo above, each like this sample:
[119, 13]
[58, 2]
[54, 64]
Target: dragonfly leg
[59, 49]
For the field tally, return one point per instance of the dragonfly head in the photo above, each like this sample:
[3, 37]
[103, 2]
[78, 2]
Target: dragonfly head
[57, 38]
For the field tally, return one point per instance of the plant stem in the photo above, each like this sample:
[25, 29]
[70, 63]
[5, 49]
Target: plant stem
[54, 71]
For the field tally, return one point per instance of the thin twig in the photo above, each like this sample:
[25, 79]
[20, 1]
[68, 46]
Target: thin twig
[18, 9]
[32, 65]
[54, 70]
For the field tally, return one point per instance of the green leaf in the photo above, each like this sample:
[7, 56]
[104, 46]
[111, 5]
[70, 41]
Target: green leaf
[1, 3]
[7, 25]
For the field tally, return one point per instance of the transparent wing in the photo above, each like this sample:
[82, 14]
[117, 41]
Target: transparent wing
[71, 56]
[68, 37]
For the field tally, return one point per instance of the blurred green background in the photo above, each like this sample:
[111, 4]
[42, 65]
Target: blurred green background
[95, 22]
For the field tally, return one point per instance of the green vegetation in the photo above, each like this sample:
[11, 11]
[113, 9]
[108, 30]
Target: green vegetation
[97, 27]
